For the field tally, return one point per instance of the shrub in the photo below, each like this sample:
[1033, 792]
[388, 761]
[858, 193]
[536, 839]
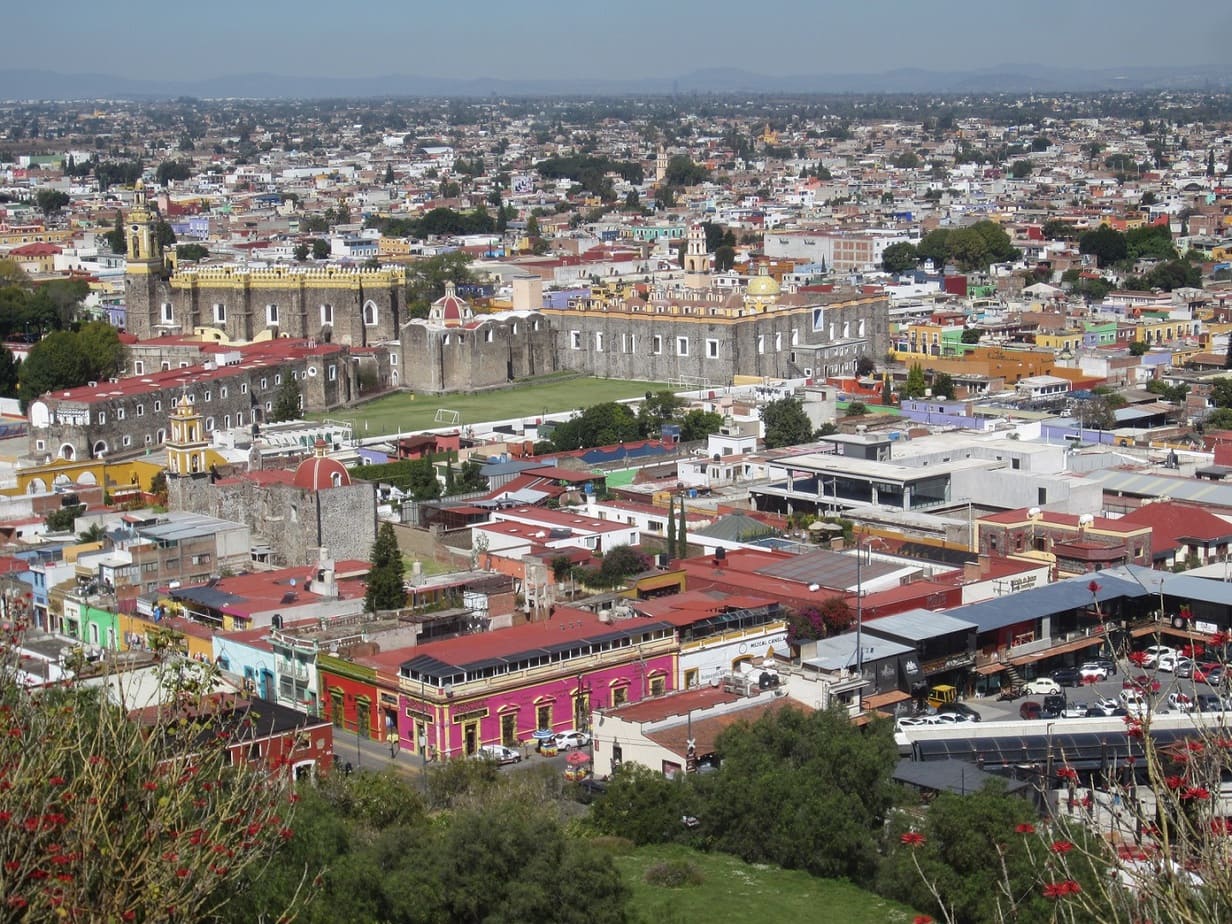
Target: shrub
[674, 874]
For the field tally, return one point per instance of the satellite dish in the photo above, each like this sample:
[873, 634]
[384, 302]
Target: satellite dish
[292, 582]
[1033, 512]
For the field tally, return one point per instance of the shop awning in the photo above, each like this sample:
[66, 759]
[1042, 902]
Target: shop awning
[888, 698]
[985, 669]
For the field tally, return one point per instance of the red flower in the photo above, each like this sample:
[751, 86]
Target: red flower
[128, 915]
[286, 834]
[1138, 657]
[12, 866]
[1061, 847]
[57, 781]
[182, 872]
[1093, 587]
[922, 919]
[149, 786]
[16, 901]
[1067, 773]
[1025, 828]
[1219, 639]
[1174, 782]
[912, 839]
[1195, 792]
[1061, 889]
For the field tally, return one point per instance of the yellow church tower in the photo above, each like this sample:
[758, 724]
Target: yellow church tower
[187, 446]
[696, 260]
[144, 253]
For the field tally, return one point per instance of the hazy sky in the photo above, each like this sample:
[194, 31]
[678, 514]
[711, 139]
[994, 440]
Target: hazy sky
[592, 38]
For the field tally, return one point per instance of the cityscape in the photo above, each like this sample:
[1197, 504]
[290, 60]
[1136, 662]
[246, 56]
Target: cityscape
[609, 503]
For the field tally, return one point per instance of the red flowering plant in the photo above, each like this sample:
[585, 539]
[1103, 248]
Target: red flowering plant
[106, 817]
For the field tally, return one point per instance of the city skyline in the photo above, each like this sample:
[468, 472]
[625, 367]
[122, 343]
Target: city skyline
[557, 42]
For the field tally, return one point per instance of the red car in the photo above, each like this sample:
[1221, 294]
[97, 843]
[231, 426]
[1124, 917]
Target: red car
[1142, 682]
[1202, 672]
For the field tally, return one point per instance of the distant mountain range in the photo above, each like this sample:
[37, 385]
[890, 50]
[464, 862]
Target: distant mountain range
[1010, 78]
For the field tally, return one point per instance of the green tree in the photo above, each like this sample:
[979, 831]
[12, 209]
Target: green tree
[971, 335]
[786, 423]
[657, 409]
[915, 385]
[55, 362]
[286, 398]
[1057, 230]
[100, 347]
[115, 237]
[899, 257]
[671, 527]
[943, 385]
[698, 424]
[682, 532]
[935, 246]
[193, 252]
[170, 170]
[320, 248]
[1138, 348]
[724, 258]
[300, 252]
[681, 171]
[856, 409]
[1106, 244]
[905, 160]
[163, 235]
[50, 201]
[425, 279]
[385, 589]
[10, 372]
[12, 275]
[830, 830]
[1020, 169]
[603, 424]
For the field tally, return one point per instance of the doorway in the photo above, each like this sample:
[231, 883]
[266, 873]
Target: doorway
[470, 738]
[509, 729]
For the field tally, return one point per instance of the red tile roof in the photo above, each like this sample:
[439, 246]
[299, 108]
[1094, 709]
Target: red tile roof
[1171, 521]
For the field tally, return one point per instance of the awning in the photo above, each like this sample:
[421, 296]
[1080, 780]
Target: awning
[1064, 648]
[985, 669]
[888, 698]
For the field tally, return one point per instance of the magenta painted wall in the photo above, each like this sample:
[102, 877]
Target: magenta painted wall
[446, 735]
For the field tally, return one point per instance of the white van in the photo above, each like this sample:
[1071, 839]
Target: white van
[498, 753]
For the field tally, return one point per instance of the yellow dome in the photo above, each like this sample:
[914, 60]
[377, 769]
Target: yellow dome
[763, 286]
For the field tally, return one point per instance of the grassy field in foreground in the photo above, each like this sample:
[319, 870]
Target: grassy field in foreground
[733, 891]
[404, 412]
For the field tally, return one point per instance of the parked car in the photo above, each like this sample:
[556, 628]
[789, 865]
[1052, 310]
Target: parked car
[1106, 708]
[571, 739]
[1179, 702]
[1041, 686]
[590, 789]
[960, 709]
[1093, 669]
[1152, 655]
[1210, 673]
[1052, 706]
[1134, 702]
[952, 718]
[1067, 676]
[914, 721]
[1030, 710]
[1075, 711]
[1209, 702]
[1173, 663]
[1106, 663]
[499, 753]
[1185, 667]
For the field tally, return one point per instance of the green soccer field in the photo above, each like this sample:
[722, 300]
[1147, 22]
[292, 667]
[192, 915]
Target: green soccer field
[405, 412]
[733, 891]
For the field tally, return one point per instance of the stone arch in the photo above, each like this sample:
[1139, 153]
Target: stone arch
[36, 486]
[87, 477]
[61, 481]
[371, 313]
[68, 452]
[98, 449]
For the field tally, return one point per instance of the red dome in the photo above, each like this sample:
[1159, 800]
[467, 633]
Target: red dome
[321, 472]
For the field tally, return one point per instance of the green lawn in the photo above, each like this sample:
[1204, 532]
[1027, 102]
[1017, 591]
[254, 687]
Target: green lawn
[405, 412]
[733, 891]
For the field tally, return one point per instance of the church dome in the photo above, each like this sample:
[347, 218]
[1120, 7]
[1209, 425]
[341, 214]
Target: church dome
[450, 310]
[321, 472]
[763, 286]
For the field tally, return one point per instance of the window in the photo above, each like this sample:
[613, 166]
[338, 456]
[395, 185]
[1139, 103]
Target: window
[222, 392]
[333, 373]
[168, 315]
[220, 313]
[277, 378]
[658, 686]
[239, 420]
[712, 349]
[120, 412]
[243, 388]
[226, 421]
[370, 315]
[575, 339]
[598, 342]
[761, 343]
[166, 365]
[140, 410]
[207, 394]
[656, 344]
[327, 314]
[264, 383]
[633, 343]
[158, 405]
[271, 315]
[209, 424]
[778, 341]
[127, 441]
[102, 417]
[138, 367]
[682, 346]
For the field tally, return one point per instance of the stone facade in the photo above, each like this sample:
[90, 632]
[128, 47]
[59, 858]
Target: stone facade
[130, 414]
[492, 350]
[341, 304]
[715, 337]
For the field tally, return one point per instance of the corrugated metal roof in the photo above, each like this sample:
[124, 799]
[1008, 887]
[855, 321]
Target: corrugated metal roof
[1038, 602]
[918, 624]
[839, 651]
[1146, 484]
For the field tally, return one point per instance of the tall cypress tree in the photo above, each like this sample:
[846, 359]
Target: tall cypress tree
[385, 590]
[682, 539]
[1227, 359]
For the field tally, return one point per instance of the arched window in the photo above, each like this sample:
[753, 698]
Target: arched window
[370, 313]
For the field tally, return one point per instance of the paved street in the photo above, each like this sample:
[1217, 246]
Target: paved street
[371, 755]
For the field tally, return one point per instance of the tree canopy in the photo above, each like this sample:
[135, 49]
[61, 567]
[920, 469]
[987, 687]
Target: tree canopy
[786, 423]
[67, 359]
[385, 590]
[286, 398]
[899, 257]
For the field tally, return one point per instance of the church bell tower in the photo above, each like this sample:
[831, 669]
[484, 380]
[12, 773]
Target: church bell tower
[143, 269]
[696, 260]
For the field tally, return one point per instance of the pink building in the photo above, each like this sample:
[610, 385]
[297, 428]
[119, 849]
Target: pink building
[500, 687]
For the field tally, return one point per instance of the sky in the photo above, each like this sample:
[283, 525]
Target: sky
[598, 39]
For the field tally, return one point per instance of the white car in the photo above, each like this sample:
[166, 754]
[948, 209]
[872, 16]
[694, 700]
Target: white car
[571, 739]
[1135, 703]
[1154, 653]
[498, 753]
[915, 721]
[1074, 711]
[1173, 663]
[952, 718]
[1180, 702]
[1042, 686]
[1091, 669]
